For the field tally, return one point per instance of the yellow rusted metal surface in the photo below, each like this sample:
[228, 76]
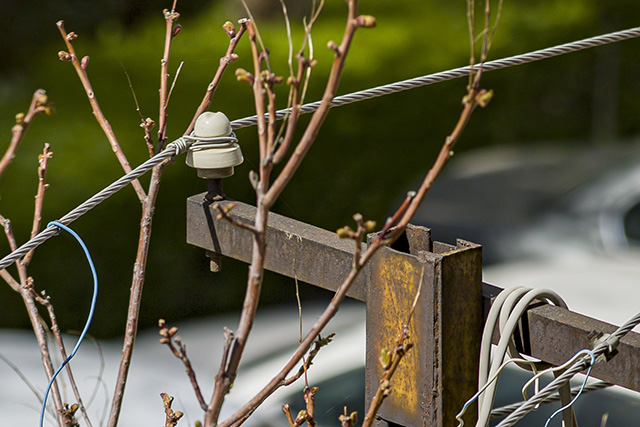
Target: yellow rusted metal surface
[439, 372]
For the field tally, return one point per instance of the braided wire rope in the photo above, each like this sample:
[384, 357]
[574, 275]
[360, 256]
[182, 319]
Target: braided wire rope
[455, 73]
[602, 349]
[503, 411]
[172, 149]
[180, 145]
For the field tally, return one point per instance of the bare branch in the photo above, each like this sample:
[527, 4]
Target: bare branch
[319, 116]
[80, 67]
[39, 104]
[224, 61]
[145, 123]
[170, 16]
[7, 277]
[179, 350]
[175, 79]
[171, 418]
[43, 162]
[45, 301]
[223, 213]
[135, 296]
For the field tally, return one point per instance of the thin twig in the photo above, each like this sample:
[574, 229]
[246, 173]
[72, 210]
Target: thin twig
[24, 379]
[171, 417]
[304, 362]
[223, 213]
[7, 277]
[43, 162]
[145, 123]
[175, 79]
[170, 16]
[179, 350]
[99, 377]
[135, 297]
[26, 292]
[72, 57]
[319, 116]
[229, 57]
[45, 301]
[39, 104]
[141, 262]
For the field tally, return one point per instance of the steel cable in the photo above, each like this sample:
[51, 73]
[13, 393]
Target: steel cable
[503, 411]
[174, 148]
[181, 144]
[456, 73]
[606, 346]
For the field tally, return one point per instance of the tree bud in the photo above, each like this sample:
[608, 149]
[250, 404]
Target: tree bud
[366, 21]
[333, 46]
[84, 62]
[64, 56]
[483, 97]
[229, 29]
[243, 76]
[41, 98]
[176, 30]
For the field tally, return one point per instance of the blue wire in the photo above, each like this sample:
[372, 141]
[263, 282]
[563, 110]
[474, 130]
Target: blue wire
[89, 318]
[584, 383]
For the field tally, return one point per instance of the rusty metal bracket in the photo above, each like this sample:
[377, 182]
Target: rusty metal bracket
[439, 374]
[446, 327]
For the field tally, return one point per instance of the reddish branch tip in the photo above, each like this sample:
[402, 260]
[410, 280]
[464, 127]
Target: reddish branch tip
[60, 23]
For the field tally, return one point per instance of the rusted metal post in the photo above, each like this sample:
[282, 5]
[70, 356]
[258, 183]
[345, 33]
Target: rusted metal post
[439, 374]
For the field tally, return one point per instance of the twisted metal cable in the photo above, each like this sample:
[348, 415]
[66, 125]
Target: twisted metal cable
[181, 144]
[173, 149]
[456, 73]
[605, 347]
[503, 411]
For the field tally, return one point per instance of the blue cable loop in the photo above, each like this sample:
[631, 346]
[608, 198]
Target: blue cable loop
[584, 383]
[89, 318]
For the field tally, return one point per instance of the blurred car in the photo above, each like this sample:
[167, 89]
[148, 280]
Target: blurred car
[554, 215]
[338, 370]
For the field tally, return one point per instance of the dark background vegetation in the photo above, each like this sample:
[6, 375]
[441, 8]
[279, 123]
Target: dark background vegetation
[367, 156]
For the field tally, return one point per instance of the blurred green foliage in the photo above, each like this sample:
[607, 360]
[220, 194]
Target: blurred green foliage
[368, 154]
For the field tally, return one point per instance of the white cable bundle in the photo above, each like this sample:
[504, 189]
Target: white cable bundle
[507, 309]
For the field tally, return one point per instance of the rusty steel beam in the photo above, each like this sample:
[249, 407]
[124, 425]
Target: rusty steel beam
[295, 249]
[557, 333]
[319, 257]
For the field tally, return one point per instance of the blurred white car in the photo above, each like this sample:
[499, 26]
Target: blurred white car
[155, 370]
[559, 216]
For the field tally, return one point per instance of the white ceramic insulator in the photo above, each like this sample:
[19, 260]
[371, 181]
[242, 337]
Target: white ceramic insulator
[214, 162]
[211, 125]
